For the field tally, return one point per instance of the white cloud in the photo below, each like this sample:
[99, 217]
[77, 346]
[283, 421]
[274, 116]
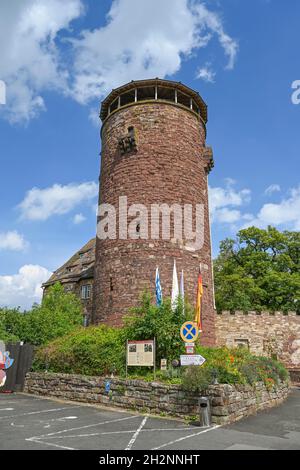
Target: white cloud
[30, 59]
[24, 288]
[206, 73]
[94, 117]
[140, 39]
[273, 188]
[212, 22]
[40, 204]
[226, 215]
[12, 241]
[285, 214]
[223, 202]
[137, 43]
[78, 219]
[227, 207]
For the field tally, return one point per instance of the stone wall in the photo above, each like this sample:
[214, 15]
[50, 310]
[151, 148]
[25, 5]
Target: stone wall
[228, 403]
[274, 334]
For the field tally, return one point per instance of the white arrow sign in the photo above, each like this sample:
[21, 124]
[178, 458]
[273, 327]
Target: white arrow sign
[192, 360]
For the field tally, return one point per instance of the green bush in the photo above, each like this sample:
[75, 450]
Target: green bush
[58, 314]
[10, 324]
[91, 351]
[100, 350]
[196, 379]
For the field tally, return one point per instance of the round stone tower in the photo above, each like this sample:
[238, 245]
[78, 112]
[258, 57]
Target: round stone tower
[154, 157]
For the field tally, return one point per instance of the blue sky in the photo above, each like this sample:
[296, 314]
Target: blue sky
[58, 63]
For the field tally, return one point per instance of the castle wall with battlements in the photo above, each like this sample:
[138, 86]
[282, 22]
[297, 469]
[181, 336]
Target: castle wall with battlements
[275, 334]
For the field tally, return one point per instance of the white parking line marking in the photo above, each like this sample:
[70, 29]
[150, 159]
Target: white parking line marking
[6, 409]
[50, 444]
[45, 436]
[137, 432]
[37, 412]
[117, 432]
[18, 425]
[186, 437]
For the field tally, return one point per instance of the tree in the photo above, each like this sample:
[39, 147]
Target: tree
[260, 270]
[59, 314]
[147, 321]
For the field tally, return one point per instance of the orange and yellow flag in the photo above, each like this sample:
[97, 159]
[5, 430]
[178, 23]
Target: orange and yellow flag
[198, 315]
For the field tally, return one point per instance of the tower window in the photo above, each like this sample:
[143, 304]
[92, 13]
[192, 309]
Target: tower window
[111, 286]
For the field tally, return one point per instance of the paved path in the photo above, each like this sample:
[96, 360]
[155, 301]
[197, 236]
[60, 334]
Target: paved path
[28, 422]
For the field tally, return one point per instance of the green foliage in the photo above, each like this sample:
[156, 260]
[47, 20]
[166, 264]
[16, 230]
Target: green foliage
[260, 270]
[196, 379]
[58, 314]
[233, 366]
[149, 321]
[6, 333]
[100, 350]
[92, 351]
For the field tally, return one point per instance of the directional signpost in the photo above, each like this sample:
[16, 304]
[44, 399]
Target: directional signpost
[192, 360]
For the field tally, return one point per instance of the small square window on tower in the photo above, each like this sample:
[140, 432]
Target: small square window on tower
[128, 143]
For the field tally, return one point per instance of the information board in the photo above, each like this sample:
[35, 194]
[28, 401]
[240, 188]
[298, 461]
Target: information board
[141, 353]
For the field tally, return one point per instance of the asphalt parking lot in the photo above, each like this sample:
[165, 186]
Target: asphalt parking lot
[28, 422]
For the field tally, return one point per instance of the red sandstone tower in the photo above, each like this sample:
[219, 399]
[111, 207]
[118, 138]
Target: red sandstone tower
[153, 152]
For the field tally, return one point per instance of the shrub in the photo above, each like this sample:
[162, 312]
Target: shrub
[10, 324]
[58, 314]
[196, 379]
[100, 350]
[92, 351]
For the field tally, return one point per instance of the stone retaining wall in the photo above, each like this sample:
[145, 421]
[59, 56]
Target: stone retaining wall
[228, 403]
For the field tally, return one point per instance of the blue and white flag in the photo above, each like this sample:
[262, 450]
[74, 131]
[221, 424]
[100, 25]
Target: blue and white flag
[158, 291]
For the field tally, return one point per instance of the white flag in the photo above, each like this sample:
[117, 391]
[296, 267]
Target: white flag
[181, 289]
[175, 288]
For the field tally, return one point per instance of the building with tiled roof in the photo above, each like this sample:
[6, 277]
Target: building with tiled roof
[77, 275]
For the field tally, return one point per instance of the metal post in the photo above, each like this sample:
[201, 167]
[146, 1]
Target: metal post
[154, 359]
[126, 356]
[135, 95]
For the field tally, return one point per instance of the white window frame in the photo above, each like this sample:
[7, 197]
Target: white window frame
[85, 291]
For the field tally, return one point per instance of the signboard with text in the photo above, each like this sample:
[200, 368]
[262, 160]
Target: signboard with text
[140, 353]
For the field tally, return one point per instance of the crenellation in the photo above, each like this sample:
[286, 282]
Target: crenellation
[275, 334]
[263, 313]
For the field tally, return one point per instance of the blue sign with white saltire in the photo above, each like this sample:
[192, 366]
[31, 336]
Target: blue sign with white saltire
[158, 291]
